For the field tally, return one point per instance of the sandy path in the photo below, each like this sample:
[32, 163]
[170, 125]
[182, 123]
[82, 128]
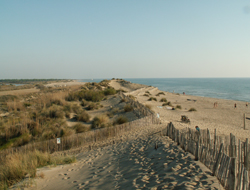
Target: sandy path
[132, 164]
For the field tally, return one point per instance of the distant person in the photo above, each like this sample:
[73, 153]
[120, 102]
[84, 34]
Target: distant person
[247, 104]
[197, 132]
[183, 93]
[235, 106]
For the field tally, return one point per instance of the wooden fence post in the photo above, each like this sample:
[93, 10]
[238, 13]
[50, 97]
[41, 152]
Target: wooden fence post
[246, 161]
[244, 121]
[216, 165]
[196, 157]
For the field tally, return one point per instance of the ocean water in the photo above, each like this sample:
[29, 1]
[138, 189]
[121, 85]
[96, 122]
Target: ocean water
[223, 88]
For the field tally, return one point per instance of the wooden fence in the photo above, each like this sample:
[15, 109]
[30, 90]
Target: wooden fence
[226, 157]
[146, 116]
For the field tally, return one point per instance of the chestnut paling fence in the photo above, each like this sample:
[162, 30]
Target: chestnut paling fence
[227, 157]
[145, 117]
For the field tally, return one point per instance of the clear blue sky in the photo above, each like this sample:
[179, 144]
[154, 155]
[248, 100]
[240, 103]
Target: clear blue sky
[124, 39]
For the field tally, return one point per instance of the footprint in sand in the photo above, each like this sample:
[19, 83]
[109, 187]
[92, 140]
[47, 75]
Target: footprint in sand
[66, 178]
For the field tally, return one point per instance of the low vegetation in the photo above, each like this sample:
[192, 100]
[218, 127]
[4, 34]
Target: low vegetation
[128, 108]
[167, 104]
[120, 120]
[160, 93]
[100, 121]
[178, 107]
[15, 167]
[152, 99]
[192, 109]
[83, 116]
[163, 100]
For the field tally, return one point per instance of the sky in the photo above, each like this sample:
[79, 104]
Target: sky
[83, 39]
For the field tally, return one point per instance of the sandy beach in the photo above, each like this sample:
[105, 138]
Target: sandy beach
[135, 163]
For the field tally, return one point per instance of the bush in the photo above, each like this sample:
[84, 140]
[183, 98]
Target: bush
[192, 109]
[80, 128]
[148, 92]
[120, 120]
[109, 91]
[76, 108]
[92, 106]
[123, 100]
[160, 93]
[83, 116]
[100, 121]
[178, 107]
[66, 132]
[163, 100]
[152, 98]
[67, 108]
[55, 112]
[146, 95]
[94, 96]
[167, 104]
[128, 108]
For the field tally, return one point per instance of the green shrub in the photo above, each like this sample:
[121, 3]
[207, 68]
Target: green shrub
[55, 112]
[67, 108]
[92, 106]
[163, 100]
[146, 95]
[160, 93]
[109, 91]
[178, 107]
[100, 122]
[80, 128]
[152, 98]
[120, 120]
[192, 109]
[83, 116]
[66, 132]
[76, 108]
[128, 108]
[148, 92]
[167, 104]
[94, 96]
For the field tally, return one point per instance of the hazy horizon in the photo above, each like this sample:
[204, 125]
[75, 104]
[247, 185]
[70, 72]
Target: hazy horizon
[124, 39]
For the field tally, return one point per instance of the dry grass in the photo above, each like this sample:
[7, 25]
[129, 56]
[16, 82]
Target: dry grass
[17, 166]
[120, 120]
[100, 122]
[128, 108]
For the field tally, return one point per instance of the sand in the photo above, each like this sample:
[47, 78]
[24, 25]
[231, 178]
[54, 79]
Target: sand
[134, 163]
[225, 118]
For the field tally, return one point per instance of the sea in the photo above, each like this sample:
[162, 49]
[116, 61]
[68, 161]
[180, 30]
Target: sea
[223, 88]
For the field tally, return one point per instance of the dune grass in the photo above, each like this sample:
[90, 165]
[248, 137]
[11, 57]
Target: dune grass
[16, 166]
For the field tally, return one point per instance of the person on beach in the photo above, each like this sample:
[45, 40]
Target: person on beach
[247, 104]
[197, 128]
[197, 132]
[235, 106]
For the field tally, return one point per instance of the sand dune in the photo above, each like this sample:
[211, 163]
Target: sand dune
[134, 163]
